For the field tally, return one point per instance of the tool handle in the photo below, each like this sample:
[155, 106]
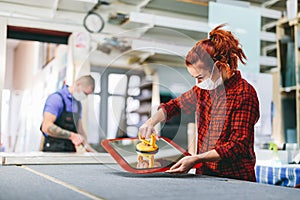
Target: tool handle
[143, 140]
[152, 141]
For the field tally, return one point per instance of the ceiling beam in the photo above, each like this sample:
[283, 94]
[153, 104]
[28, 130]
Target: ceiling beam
[269, 25]
[15, 9]
[168, 22]
[44, 23]
[142, 5]
[191, 25]
[268, 48]
[54, 8]
[269, 3]
[159, 47]
[268, 13]
[268, 61]
[268, 36]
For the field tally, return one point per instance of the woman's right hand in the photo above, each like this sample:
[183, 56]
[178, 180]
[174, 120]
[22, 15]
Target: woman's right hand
[147, 129]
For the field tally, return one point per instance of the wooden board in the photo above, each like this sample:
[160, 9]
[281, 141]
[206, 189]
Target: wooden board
[37, 158]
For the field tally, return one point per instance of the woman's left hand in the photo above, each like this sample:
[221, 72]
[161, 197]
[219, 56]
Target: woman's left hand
[183, 165]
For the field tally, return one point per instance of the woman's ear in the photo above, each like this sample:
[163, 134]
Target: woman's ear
[228, 70]
[224, 66]
[218, 65]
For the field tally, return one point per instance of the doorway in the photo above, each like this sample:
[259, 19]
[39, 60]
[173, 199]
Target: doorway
[35, 66]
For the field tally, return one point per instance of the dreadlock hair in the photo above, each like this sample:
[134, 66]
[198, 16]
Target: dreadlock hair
[222, 48]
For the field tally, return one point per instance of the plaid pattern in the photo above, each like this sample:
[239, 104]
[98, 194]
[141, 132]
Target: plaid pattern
[225, 119]
[286, 175]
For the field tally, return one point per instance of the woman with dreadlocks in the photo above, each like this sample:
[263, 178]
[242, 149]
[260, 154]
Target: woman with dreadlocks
[226, 107]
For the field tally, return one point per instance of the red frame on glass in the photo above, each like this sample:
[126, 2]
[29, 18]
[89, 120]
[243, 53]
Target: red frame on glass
[120, 160]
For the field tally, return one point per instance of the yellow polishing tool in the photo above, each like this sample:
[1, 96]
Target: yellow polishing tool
[147, 146]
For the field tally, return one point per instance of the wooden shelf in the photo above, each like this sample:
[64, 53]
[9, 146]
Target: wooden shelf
[288, 89]
[286, 99]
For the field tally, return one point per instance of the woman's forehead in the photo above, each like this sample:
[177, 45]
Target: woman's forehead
[196, 70]
[199, 65]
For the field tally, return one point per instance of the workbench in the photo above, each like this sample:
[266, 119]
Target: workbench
[106, 180]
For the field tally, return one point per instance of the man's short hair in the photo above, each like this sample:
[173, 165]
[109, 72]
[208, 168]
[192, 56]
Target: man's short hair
[87, 80]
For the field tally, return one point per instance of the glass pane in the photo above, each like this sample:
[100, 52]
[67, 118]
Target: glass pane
[117, 84]
[132, 104]
[97, 78]
[116, 106]
[93, 119]
[166, 156]
[132, 131]
[134, 81]
[133, 118]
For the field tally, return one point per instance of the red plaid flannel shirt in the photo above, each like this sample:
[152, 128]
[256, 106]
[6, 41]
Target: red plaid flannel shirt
[225, 122]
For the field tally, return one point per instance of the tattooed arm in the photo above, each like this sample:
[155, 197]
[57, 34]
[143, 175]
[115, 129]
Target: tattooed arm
[53, 130]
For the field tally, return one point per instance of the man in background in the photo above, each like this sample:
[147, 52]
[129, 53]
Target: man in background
[62, 124]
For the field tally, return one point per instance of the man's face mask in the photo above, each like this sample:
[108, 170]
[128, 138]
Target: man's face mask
[209, 84]
[79, 96]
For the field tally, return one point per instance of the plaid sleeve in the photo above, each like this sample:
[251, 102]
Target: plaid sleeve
[243, 119]
[186, 102]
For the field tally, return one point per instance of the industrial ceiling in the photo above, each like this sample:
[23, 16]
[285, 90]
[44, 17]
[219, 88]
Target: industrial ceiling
[70, 13]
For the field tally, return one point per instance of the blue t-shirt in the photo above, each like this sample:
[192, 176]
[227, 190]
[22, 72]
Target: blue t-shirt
[55, 106]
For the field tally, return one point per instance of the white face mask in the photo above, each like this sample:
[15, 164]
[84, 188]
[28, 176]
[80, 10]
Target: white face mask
[208, 84]
[79, 96]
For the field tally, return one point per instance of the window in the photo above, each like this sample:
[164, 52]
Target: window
[111, 107]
